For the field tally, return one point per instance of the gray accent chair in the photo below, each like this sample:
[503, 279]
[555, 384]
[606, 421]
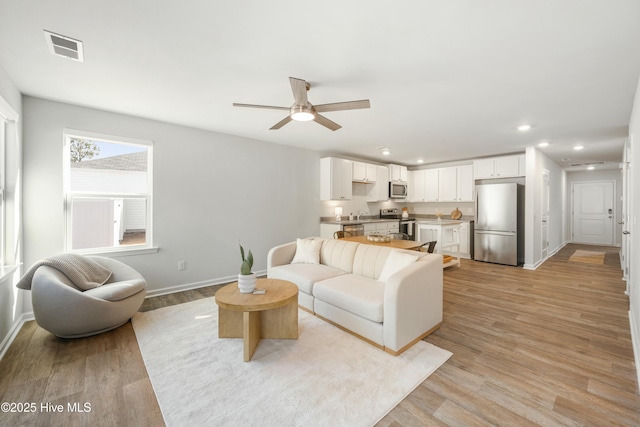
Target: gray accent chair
[70, 312]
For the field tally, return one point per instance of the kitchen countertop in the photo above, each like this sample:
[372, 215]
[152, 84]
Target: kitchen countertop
[441, 222]
[356, 221]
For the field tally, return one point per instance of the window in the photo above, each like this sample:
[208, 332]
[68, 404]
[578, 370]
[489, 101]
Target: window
[2, 184]
[108, 191]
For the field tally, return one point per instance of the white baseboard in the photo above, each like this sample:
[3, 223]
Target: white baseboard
[197, 285]
[635, 343]
[25, 317]
[534, 266]
[13, 332]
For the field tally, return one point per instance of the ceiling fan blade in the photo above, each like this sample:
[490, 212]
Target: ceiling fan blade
[326, 122]
[338, 106]
[281, 123]
[299, 88]
[270, 107]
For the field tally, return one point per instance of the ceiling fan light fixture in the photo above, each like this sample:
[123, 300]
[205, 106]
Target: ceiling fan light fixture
[301, 113]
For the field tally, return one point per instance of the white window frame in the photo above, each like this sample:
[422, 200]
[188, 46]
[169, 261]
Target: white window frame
[3, 218]
[147, 247]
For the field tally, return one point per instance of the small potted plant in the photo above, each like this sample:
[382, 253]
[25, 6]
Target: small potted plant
[246, 278]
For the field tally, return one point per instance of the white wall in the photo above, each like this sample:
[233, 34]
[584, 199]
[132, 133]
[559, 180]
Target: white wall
[634, 185]
[598, 175]
[11, 300]
[536, 163]
[210, 190]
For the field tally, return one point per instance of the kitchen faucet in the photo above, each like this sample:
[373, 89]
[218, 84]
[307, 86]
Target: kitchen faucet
[362, 213]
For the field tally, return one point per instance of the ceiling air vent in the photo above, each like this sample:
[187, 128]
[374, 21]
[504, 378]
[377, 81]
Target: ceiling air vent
[64, 46]
[586, 164]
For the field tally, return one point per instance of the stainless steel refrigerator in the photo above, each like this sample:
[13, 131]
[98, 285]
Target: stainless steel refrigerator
[499, 226]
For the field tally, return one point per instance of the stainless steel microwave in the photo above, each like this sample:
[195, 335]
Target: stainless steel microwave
[397, 190]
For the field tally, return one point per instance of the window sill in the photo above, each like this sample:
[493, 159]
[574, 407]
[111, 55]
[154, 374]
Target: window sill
[121, 252]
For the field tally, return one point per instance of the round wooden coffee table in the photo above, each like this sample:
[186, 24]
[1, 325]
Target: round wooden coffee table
[252, 317]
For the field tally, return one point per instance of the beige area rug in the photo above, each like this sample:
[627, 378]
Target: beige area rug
[591, 257]
[326, 377]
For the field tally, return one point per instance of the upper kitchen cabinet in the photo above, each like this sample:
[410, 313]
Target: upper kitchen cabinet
[335, 178]
[398, 173]
[456, 184]
[423, 185]
[450, 184]
[364, 172]
[379, 190]
[499, 167]
[431, 185]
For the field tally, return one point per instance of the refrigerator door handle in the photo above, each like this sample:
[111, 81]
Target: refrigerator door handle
[502, 233]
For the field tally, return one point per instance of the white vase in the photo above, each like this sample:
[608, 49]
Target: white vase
[247, 283]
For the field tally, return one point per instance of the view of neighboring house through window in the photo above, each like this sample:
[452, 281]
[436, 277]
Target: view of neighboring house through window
[107, 192]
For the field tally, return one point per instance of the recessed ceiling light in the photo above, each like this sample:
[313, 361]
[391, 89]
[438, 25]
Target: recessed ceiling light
[591, 168]
[578, 147]
[386, 152]
[420, 161]
[543, 144]
[524, 128]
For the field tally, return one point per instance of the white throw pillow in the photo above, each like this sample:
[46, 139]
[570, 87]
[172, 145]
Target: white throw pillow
[307, 252]
[395, 262]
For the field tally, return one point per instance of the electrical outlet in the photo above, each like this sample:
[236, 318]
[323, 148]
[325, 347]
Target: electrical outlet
[182, 265]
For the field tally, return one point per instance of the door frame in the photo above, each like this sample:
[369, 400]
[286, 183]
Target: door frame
[544, 216]
[625, 218]
[613, 207]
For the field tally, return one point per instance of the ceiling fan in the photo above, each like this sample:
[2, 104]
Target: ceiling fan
[302, 110]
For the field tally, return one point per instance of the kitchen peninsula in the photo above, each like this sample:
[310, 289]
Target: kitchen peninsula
[447, 234]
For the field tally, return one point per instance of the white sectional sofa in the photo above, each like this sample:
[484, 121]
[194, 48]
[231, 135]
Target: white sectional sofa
[390, 298]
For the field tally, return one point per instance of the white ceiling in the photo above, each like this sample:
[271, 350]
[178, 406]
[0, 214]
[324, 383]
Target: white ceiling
[447, 80]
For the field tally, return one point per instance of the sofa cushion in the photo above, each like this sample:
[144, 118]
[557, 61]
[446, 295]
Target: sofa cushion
[304, 275]
[307, 251]
[369, 260]
[356, 294]
[395, 262]
[338, 253]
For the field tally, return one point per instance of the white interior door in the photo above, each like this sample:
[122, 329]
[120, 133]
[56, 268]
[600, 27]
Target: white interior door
[593, 212]
[626, 211]
[544, 217]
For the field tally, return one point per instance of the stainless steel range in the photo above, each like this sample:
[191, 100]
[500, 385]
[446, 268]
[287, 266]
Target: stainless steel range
[407, 225]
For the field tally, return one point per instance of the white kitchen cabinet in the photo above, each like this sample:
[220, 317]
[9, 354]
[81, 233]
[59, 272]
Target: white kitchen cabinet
[499, 167]
[448, 184]
[465, 183]
[431, 185]
[398, 173]
[456, 184]
[383, 227]
[379, 190]
[364, 172]
[424, 186]
[447, 236]
[416, 186]
[369, 228]
[335, 178]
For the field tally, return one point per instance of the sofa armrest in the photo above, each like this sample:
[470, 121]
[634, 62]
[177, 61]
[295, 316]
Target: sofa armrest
[413, 301]
[281, 255]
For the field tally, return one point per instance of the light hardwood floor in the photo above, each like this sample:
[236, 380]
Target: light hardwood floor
[545, 347]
